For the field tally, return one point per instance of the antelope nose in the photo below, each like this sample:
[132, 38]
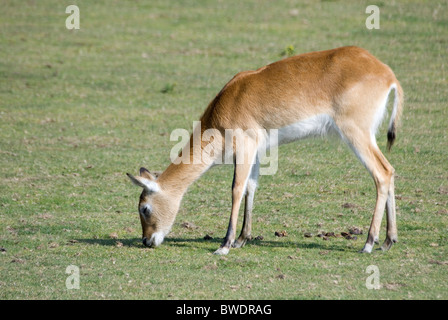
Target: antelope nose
[148, 242]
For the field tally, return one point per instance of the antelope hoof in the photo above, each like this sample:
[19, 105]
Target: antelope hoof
[222, 251]
[371, 240]
[388, 243]
[367, 248]
[241, 242]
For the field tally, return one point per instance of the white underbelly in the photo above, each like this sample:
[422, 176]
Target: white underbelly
[316, 126]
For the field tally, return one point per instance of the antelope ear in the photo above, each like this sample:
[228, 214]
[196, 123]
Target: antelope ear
[145, 173]
[147, 184]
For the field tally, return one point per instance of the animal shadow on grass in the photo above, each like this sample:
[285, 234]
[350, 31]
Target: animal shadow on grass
[128, 242]
[137, 242]
[258, 243]
[215, 242]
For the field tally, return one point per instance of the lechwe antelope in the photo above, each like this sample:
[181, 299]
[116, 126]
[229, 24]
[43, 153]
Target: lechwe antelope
[342, 91]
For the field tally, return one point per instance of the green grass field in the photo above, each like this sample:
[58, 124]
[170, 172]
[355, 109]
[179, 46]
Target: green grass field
[80, 108]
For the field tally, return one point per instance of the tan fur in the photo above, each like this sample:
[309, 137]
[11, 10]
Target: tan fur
[345, 83]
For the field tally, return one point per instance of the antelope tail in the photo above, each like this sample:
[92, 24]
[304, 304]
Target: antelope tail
[396, 114]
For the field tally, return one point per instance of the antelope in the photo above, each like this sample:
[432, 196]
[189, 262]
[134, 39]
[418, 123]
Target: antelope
[343, 92]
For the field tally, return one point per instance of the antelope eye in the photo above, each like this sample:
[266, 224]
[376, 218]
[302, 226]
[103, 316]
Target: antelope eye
[145, 210]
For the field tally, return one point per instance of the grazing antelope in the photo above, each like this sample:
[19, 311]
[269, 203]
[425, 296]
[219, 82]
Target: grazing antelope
[343, 91]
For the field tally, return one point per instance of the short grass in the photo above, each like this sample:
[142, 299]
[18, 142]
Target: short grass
[79, 108]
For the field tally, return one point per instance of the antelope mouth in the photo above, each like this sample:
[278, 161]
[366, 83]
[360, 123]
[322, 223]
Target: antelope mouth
[155, 240]
[146, 243]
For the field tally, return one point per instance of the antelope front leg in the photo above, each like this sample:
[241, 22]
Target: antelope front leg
[247, 222]
[240, 179]
[248, 205]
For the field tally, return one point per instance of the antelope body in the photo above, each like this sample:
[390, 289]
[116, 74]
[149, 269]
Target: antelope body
[342, 91]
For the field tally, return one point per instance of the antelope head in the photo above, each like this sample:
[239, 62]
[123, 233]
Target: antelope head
[156, 208]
